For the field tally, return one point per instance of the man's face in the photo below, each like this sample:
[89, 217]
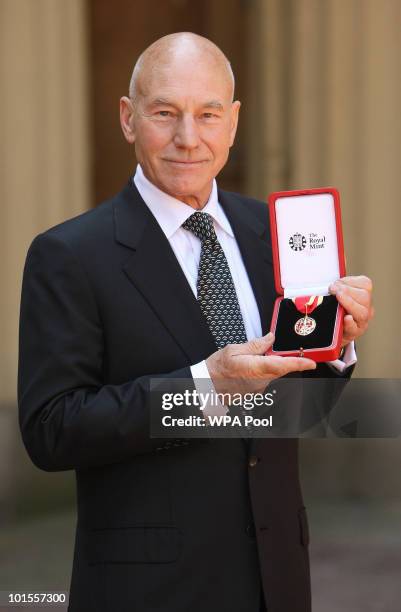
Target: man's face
[183, 125]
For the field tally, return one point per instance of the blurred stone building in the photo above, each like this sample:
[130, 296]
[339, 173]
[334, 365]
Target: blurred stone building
[320, 86]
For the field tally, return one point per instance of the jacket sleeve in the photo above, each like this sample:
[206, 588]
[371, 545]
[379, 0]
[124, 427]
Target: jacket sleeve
[68, 418]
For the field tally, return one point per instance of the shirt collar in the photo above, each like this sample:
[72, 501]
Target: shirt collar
[171, 213]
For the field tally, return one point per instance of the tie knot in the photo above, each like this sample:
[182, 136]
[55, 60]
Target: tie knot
[201, 224]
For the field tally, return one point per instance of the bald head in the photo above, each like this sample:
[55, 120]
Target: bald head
[179, 47]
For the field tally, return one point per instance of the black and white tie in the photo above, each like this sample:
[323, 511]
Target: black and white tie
[216, 291]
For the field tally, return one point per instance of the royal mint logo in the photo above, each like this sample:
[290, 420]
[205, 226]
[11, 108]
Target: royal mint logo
[297, 242]
[316, 241]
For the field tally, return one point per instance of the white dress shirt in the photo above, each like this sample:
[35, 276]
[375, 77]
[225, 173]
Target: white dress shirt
[170, 214]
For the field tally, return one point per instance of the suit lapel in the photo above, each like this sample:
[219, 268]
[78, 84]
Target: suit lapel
[154, 270]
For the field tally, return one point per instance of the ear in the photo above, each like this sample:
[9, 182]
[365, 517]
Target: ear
[127, 119]
[235, 106]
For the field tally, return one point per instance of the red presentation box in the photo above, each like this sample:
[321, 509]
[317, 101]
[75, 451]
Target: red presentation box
[308, 255]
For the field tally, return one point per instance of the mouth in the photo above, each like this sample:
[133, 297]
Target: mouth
[185, 164]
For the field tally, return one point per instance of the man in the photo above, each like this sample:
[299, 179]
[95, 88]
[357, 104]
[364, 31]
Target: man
[133, 290]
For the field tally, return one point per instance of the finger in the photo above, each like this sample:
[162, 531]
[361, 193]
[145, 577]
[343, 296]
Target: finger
[359, 312]
[280, 366]
[351, 329]
[363, 282]
[359, 295]
[257, 346]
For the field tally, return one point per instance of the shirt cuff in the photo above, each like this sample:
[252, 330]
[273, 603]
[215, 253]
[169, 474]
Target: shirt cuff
[347, 360]
[205, 389]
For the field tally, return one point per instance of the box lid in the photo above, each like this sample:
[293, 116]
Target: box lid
[307, 240]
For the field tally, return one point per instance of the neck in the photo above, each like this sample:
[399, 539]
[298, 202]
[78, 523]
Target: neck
[194, 202]
[197, 202]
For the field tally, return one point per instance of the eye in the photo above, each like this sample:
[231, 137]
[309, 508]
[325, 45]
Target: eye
[210, 117]
[164, 113]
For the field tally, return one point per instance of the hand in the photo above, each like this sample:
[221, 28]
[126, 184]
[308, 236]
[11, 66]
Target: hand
[354, 293]
[244, 368]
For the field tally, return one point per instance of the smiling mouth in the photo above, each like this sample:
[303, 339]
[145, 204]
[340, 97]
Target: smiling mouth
[185, 163]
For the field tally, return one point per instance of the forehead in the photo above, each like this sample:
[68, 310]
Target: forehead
[189, 78]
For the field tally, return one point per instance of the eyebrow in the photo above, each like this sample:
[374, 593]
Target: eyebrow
[165, 101]
[159, 101]
[214, 104]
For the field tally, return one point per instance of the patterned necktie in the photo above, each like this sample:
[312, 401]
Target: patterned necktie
[216, 291]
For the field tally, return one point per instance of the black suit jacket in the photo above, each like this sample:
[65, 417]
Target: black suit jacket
[188, 526]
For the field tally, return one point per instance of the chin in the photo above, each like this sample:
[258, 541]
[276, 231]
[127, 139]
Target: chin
[180, 188]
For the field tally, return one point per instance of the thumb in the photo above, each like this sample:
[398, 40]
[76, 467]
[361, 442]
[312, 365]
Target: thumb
[257, 346]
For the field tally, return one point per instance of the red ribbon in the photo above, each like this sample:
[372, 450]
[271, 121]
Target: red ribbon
[307, 303]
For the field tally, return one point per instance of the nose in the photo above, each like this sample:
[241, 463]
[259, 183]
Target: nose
[187, 134]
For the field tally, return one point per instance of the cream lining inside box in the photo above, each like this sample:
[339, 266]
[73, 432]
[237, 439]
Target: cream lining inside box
[307, 243]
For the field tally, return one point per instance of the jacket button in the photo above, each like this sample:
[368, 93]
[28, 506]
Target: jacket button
[250, 530]
[253, 461]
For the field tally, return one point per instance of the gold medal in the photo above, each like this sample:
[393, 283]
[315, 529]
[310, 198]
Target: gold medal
[306, 325]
